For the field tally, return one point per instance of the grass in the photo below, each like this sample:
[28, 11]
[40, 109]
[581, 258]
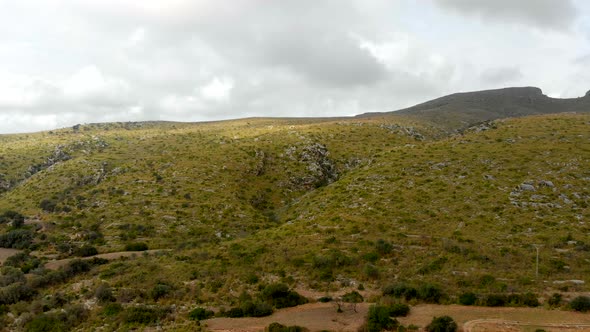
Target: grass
[246, 203]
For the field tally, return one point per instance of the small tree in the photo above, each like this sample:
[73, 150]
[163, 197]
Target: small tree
[442, 324]
[353, 297]
[581, 303]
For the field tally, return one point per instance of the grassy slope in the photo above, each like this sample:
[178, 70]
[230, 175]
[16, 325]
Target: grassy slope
[237, 199]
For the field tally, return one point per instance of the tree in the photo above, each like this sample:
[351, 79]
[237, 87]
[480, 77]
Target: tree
[581, 303]
[442, 324]
[353, 297]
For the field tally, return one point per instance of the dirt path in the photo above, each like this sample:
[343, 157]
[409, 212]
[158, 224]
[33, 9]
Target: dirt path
[5, 253]
[480, 319]
[323, 316]
[314, 316]
[54, 265]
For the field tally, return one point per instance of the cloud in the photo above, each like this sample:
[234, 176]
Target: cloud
[501, 75]
[546, 14]
[69, 61]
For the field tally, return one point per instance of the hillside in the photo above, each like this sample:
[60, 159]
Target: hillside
[322, 205]
[461, 110]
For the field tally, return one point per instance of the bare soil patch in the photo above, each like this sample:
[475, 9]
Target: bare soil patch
[480, 319]
[314, 316]
[5, 253]
[54, 265]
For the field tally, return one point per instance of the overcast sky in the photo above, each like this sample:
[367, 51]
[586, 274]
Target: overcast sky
[64, 62]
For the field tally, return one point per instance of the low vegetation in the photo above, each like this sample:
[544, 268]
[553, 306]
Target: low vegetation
[240, 215]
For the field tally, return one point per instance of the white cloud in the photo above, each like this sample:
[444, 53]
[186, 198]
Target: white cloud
[105, 60]
[218, 89]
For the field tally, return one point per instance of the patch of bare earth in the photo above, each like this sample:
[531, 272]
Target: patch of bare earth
[54, 265]
[480, 319]
[314, 316]
[5, 253]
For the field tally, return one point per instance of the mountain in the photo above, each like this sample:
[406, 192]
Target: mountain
[324, 206]
[461, 110]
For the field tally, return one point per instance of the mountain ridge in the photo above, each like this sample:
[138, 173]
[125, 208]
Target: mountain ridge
[457, 111]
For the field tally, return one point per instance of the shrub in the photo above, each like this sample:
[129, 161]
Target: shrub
[86, 251]
[279, 296]
[554, 300]
[160, 290]
[112, 309]
[12, 217]
[23, 261]
[200, 314]
[430, 293]
[325, 299]
[104, 293]
[235, 312]
[468, 298]
[144, 315]
[15, 292]
[48, 205]
[442, 324]
[136, 246]
[352, 297]
[10, 275]
[580, 303]
[276, 327]
[256, 309]
[383, 247]
[495, 300]
[399, 310]
[401, 290]
[17, 239]
[46, 323]
[379, 318]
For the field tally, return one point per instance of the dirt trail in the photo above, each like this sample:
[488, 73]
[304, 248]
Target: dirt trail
[54, 265]
[314, 316]
[5, 253]
[480, 319]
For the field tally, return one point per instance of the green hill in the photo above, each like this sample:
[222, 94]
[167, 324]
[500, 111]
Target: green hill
[317, 204]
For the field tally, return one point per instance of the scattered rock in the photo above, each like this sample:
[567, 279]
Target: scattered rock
[545, 183]
[527, 187]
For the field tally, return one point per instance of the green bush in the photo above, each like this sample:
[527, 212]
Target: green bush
[46, 323]
[136, 246]
[112, 309]
[200, 314]
[401, 290]
[276, 327]
[399, 310]
[13, 217]
[17, 239]
[144, 315]
[104, 293]
[48, 205]
[430, 293]
[442, 324]
[86, 251]
[24, 261]
[352, 297]
[379, 318]
[256, 309]
[580, 303]
[468, 298]
[16, 292]
[10, 275]
[160, 290]
[280, 296]
[555, 300]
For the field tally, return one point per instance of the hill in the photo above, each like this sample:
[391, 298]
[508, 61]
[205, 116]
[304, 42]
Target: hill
[322, 205]
[461, 110]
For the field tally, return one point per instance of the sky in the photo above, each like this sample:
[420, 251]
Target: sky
[64, 62]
